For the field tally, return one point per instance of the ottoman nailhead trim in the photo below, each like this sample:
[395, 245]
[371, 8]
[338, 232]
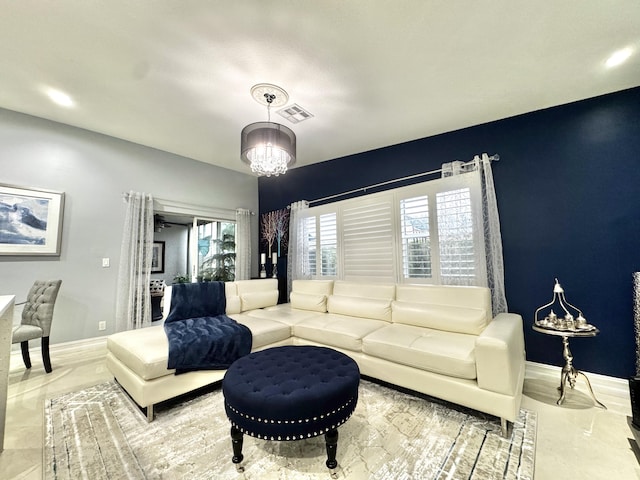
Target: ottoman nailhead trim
[307, 420]
[301, 436]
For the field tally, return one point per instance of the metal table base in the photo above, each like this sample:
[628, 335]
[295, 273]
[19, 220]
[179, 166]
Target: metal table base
[569, 373]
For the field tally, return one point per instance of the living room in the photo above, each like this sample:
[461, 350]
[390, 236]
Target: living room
[566, 186]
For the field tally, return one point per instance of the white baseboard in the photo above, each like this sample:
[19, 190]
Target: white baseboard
[618, 387]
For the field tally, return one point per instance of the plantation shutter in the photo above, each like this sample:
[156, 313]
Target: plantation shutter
[430, 232]
[309, 232]
[368, 240]
[416, 238]
[456, 234]
[328, 244]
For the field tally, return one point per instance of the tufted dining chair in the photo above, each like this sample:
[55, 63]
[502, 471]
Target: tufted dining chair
[37, 316]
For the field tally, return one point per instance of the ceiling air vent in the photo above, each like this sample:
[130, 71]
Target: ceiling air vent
[295, 113]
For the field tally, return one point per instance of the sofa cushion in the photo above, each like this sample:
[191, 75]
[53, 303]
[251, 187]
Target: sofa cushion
[166, 301]
[440, 317]
[263, 330]
[257, 285]
[260, 299]
[381, 291]
[308, 301]
[337, 330]
[452, 295]
[283, 313]
[233, 300]
[370, 308]
[436, 351]
[145, 351]
[314, 287]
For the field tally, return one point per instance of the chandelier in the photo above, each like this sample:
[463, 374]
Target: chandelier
[268, 147]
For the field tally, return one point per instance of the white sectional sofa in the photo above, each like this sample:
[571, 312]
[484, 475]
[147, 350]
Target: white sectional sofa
[438, 340]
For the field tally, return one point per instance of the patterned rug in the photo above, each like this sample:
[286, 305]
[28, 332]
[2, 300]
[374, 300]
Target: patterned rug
[97, 433]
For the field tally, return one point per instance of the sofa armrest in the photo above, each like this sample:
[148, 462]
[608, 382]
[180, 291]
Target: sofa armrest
[500, 355]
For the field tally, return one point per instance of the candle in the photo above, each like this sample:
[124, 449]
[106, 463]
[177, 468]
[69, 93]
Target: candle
[274, 258]
[263, 258]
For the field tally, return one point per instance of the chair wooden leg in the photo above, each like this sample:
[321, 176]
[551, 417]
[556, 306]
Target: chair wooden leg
[45, 354]
[25, 354]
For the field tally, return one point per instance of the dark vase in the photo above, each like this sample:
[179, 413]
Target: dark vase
[634, 382]
[634, 393]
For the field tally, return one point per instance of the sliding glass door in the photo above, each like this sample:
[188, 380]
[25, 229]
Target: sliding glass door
[213, 250]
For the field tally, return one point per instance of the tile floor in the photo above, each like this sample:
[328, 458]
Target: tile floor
[575, 441]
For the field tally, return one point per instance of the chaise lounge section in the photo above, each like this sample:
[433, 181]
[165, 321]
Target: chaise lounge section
[442, 341]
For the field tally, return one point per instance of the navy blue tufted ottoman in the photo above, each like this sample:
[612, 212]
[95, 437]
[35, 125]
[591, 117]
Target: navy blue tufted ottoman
[290, 393]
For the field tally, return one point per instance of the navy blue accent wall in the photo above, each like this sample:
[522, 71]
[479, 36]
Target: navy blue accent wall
[568, 188]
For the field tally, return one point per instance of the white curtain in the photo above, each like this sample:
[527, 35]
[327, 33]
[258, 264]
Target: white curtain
[492, 237]
[243, 244]
[133, 305]
[298, 255]
[490, 225]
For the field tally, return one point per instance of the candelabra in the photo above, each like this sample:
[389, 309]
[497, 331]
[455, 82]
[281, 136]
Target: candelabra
[274, 261]
[263, 270]
[568, 322]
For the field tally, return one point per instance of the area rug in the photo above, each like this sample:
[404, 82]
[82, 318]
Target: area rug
[98, 433]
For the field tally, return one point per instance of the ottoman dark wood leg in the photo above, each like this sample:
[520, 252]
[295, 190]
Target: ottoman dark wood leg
[331, 439]
[236, 443]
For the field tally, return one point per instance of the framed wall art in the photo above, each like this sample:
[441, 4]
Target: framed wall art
[30, 221]
[157, 257]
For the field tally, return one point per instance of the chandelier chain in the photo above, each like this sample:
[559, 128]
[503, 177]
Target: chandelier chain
[269, 97]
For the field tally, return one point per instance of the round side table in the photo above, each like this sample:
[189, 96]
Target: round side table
[569, 373]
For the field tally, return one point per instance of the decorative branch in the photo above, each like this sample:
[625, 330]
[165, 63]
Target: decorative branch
[268, 228]
[274, 227]
[281, 219]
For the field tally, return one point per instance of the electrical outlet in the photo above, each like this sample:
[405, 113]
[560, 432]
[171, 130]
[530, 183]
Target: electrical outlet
[105, 262]
[102, 325]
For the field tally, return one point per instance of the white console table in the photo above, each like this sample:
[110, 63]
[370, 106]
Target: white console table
[6, 325]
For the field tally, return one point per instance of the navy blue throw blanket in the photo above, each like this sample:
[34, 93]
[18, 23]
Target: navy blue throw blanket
[201, 336]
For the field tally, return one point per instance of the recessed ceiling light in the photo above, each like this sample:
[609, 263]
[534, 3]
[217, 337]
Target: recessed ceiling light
[60, 98]
[619, 57]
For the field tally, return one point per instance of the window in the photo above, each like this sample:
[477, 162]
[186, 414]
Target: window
[216, 247]
[425, 233]
[320, 235]
[328, 245]
[441, 231]
[311, 239]
[456, 232]
[368, 239]
[416, 243]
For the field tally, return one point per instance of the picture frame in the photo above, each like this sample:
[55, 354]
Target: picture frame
[157, 257]
[30, 221]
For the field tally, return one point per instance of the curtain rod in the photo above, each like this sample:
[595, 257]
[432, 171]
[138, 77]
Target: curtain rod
[492, 158]
[192, 206]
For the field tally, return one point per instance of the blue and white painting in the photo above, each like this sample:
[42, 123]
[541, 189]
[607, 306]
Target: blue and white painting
[23, 219]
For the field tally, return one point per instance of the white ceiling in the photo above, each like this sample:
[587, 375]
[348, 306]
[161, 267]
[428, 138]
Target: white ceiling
[176, 74]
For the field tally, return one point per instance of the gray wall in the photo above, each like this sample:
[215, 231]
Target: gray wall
[94, 170]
